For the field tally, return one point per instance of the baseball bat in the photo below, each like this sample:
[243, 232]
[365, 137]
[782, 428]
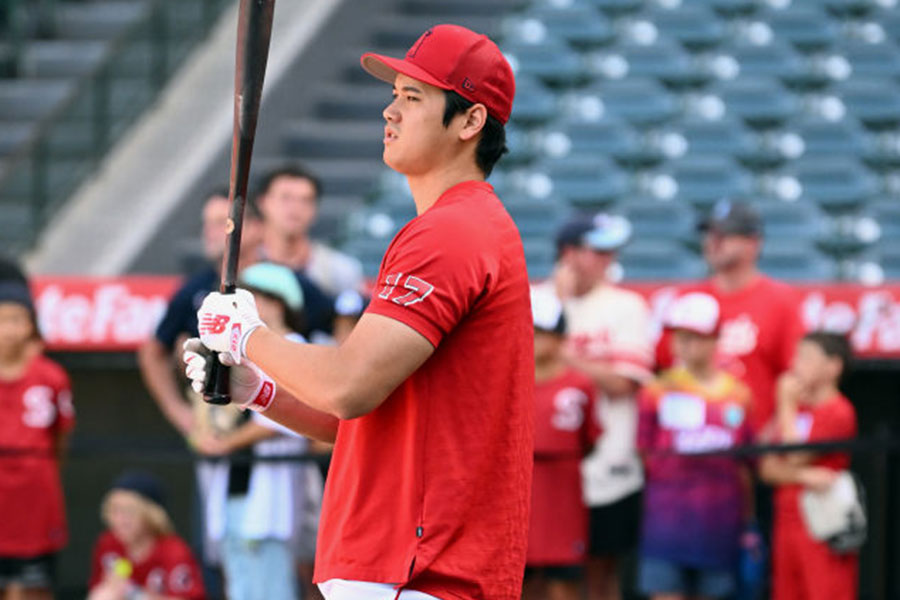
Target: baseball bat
[253, 35]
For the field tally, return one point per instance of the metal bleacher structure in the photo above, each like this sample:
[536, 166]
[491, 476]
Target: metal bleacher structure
[656, 109]
[74, 74]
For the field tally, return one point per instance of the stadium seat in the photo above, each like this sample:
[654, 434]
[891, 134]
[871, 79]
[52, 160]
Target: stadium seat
[776, 60]
[534, 103]
[522, 148]
[695, 27]
[369, 250]
[13, 135]
[61, 58]
[642, 102]
[704, 180]
[724, 137]
[871, 60]
[607, 137]
[540, 255]
[760, 102]
[806, 27]
[664, 60]
[875, 102]
[850, 234]
[888, 253]
[794, 261]
[659, 260]
[535, 217]
[617, 7]
[835, 183]
[551, 61]
[589, 181]
[886, 213]
[23, 100]
[822, 137]
[97, 20]
[791, 221]
[580, 25]
[659, 219]
[726, 8]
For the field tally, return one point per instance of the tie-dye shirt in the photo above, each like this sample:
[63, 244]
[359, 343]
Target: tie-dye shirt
[692, 505]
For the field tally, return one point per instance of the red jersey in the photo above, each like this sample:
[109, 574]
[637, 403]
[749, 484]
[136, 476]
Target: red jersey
[35, 410]
[431, 490]
[169, 570]
[761, 325]
[832, 420]
[565, 431]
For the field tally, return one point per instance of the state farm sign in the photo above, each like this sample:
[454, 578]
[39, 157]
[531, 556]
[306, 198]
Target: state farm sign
[100, 314]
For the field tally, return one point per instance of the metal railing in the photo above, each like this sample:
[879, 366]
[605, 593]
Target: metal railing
[69, 143]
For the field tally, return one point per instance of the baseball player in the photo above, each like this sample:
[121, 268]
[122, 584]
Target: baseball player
[430, 397]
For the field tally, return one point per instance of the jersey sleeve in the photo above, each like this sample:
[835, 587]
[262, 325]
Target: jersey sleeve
[835, 422]
[432, 275]
[175, 320]
[183, 577]
[64, 407]
[631, 347]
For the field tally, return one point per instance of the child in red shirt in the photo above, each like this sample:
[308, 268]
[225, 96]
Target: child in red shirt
[36, 417]
[139, 556]
[810, 409]
[565, 431]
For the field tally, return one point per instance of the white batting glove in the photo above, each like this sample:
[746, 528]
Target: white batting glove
[225, 322]
[250, 387]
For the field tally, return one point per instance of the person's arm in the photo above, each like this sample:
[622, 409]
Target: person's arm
[345, 381]
[794, 469]
[155, 362]
[244, 436]
[604, 376]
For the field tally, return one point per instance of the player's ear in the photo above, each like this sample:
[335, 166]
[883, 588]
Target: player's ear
[475, 118]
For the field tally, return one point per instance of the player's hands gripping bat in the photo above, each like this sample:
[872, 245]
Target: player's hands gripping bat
[249, 386]
[253, 35]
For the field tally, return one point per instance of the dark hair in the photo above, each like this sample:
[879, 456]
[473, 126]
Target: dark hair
[492, 144]
[293, 171]
[294, 319]
[834, 345]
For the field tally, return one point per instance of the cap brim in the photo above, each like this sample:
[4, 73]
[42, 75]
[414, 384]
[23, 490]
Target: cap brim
[386, 68]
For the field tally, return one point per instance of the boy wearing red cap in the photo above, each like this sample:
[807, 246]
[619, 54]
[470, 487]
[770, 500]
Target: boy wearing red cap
[430, 398]
[694, 507]
[36, 417]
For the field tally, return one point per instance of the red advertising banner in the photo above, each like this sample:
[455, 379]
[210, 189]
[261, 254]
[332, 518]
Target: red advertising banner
[117, 314]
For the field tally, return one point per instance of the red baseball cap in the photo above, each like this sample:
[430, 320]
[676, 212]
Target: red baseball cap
[454, 58]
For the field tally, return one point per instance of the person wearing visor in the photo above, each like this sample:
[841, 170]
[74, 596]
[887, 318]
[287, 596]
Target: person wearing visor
[609, 341]
[430, 398]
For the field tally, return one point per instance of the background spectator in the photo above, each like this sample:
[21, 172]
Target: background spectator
[139, 555]
[694, 508]
[289, 201]
[609, 341]
[810, 409]
[565, 431]
[36, 418]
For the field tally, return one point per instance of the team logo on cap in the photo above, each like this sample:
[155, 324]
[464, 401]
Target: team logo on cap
[415, 49]
[467, 85]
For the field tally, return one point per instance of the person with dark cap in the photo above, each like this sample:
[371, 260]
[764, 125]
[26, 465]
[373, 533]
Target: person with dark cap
[609, 341]
[36, 417]
[761, 318]
[139, 557]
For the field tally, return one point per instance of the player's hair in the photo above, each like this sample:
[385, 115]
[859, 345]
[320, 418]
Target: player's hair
[154, 515]
[292, 171]
[834, 345]
[491, 145]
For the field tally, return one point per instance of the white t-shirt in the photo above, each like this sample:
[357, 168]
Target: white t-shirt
[333, 271]
[612, 325]
[342, 589]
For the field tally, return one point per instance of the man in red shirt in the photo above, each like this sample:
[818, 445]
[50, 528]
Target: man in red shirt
[430, 398]
[761, 320]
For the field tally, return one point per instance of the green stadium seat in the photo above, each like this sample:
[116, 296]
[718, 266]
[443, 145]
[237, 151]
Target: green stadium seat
[871, 60]
[723, 137]
[696, 27]
[659, 219]
[875, 102]
[540, 256]
[835, 183]
[551, 61]
[608, 137]
[586, 181]
[664, 60]
[791, 221]
[796, 261]
[580, 25]
[807, 27]
[659, 260]
[642, 102]
[822, 137]
[534, 103]
[776, 60]
[759, 101]
[704, 180]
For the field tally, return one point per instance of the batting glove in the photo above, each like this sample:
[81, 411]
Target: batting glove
[250, 387]
[225, 322]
